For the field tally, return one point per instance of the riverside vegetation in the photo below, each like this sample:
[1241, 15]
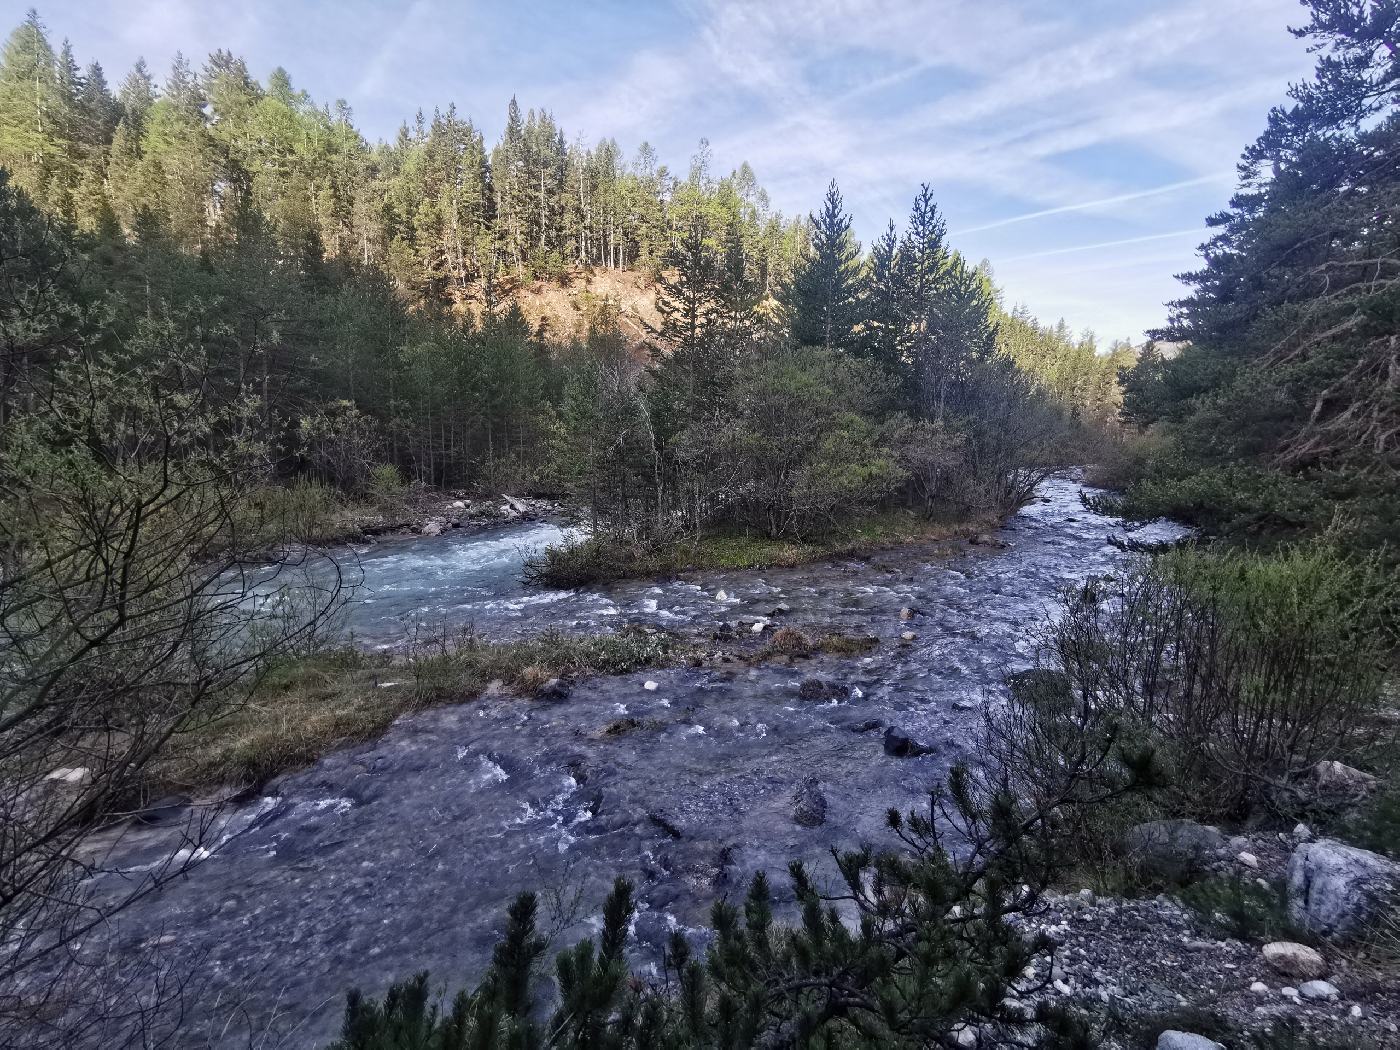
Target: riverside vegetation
[224, 316]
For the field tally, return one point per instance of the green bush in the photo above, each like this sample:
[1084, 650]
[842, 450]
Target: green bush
[1240, 669]
[303, 511]
[386, 488]
[1241, 908]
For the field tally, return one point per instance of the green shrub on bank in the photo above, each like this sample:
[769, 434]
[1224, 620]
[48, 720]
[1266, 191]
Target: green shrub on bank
[303, 510]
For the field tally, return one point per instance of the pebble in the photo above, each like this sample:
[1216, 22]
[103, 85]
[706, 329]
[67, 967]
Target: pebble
[1259, 988]
[650, 686]
[1249, 860]
[1292, 993]
[1355, 1011]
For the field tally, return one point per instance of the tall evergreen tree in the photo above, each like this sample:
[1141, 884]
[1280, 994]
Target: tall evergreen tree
[823, 300]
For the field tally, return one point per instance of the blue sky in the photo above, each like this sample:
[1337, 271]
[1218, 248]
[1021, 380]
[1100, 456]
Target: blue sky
[1078, 146]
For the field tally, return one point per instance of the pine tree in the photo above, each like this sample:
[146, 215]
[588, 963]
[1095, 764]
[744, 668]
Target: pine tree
[881, 306]
[137, 96]
[35, 115]
[823, 300]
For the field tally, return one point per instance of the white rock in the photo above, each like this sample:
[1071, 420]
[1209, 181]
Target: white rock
[1063, 988]
[908, 636]
[458, 505]
[1259, 988]
[1302, 832]
[1294, 960]
[1335, 890]
[73, 775]
[1355, 1011]
[720, 596]
[1337, 778]
[759, 627]
[1173, 1040]
[650, 686]
[1249, 860]
[1292, 993]
[967, 1036]
[432, 528]
[1318, 990]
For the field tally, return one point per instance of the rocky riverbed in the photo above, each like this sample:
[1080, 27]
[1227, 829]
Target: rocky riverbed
[402, 854]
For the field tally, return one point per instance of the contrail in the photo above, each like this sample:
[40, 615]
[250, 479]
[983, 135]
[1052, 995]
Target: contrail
[1195, 230]
[1170, 187]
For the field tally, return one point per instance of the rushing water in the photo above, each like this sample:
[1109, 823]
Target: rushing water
[402, 854]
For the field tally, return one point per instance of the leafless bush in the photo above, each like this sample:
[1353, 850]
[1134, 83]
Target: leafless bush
[126, 581]
[1243, 670]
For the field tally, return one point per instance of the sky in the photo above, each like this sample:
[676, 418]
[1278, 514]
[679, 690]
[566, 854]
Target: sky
[1077, 146]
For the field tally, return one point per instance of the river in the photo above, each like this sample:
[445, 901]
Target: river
[402, 854]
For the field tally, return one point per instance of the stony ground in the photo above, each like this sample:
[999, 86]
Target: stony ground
[1161, 961]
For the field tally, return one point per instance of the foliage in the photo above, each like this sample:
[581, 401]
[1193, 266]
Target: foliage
[1240, 669]
[1279, 412]
[1240, 907]
[128, 562]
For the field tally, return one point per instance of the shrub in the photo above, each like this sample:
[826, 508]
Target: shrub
[386, 488]
[1241, 908]
[1242, 669]
[302, 511]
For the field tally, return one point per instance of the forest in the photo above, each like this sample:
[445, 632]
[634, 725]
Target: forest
[365, 295]
[231, 326]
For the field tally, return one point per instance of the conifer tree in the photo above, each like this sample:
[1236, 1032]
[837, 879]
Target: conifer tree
[823, 300]
[35, 110]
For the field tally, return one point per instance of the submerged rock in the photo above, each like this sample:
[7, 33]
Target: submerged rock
[809, 804]
[899, 744]
[822, 690]
[1174, 1040]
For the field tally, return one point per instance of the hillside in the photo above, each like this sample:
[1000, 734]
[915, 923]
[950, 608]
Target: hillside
[564, 306]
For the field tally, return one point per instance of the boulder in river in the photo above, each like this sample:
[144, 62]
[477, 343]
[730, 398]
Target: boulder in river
[431, 528]
[987, 539]
[1334, 890]
[809, 804]
[1174, 849]
[819, 689]
[554, 689]
[165, 810]
[899, 744]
